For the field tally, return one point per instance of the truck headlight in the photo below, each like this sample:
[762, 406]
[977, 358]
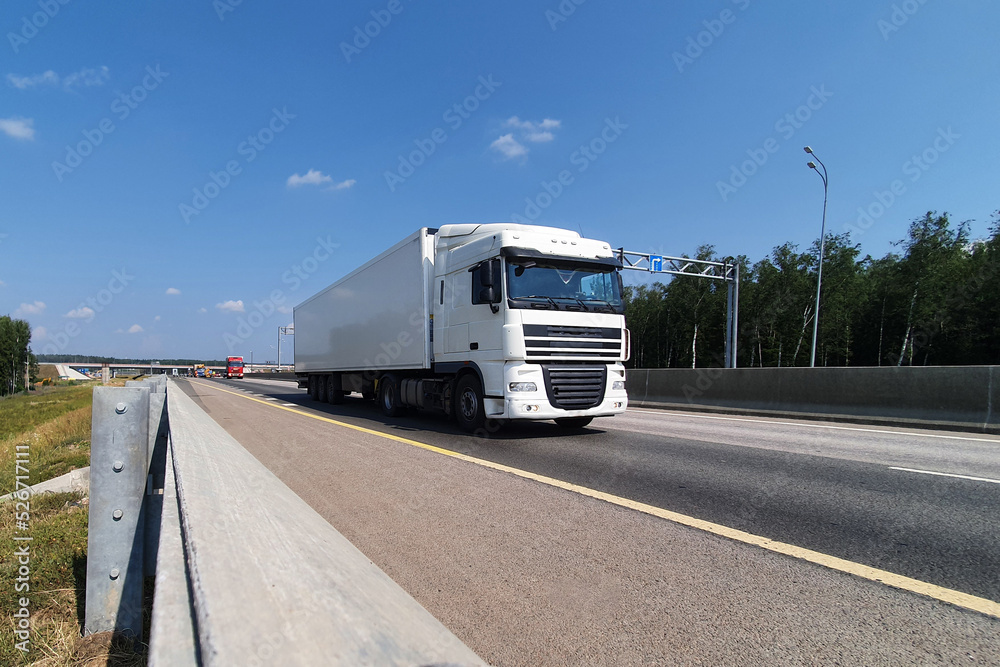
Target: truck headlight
[618, 385]
[523, 386]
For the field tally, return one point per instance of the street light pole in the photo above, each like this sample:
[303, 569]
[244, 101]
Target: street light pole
[822, 249]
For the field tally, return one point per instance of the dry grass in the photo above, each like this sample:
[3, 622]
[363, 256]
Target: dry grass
[55, 424]
[58, 563]
[58, 576]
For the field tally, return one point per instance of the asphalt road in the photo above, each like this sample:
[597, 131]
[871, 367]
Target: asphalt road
[828, 488]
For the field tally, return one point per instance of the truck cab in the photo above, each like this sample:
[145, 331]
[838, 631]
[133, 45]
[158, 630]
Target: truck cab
[234, 367]
[536, 313]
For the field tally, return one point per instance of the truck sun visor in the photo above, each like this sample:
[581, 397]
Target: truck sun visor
[531, 254]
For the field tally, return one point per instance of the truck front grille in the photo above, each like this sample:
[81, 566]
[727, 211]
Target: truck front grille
[568, 342]
[574, 387]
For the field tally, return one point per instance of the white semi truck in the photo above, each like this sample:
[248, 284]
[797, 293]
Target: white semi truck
[480, 321]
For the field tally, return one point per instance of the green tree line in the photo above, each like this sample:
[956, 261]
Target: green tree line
[15, 355]
[934, 302]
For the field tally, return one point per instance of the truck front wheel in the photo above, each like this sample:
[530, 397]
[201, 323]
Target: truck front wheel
[388, 396]
[470, 413]
[313, 387]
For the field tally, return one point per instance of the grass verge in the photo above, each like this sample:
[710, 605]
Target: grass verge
[54, 423]
[56, 588]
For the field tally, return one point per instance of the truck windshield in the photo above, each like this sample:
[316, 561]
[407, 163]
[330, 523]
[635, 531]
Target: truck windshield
[563, 286]
[235, 364]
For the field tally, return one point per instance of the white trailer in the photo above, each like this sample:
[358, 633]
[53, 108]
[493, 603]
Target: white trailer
[495, 321]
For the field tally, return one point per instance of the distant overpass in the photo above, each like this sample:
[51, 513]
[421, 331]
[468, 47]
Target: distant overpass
[157, 368]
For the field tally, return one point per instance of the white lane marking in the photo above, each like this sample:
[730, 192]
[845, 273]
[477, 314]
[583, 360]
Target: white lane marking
[947, 474]
[290, 405]
[269, 398]
[667, 413]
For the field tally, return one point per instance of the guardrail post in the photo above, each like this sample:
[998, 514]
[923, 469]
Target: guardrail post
[119, 461]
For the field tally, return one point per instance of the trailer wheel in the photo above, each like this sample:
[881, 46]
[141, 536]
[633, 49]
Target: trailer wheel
[313, 387]
[470, 410]
[334, 394]
[321, 386]
[574, 422]
[388, 396]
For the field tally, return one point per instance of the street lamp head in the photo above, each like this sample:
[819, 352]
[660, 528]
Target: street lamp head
[808, 149]
[811, 165]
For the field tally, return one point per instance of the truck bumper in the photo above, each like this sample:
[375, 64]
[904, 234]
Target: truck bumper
[535, 405]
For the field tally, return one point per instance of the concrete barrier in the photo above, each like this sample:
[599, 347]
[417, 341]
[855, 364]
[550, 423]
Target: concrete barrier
[960, 397]
[249, 574]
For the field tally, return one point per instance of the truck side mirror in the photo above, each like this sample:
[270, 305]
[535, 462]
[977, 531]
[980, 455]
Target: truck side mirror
[487, 295]
[486, 275]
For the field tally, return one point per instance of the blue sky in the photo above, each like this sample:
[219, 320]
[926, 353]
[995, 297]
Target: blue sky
[174, 177]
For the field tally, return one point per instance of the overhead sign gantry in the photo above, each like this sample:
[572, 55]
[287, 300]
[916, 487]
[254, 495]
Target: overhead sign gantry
[727, 271]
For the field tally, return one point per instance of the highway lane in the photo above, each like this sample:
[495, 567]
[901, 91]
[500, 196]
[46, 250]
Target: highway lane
[823, 487]
[529, 574]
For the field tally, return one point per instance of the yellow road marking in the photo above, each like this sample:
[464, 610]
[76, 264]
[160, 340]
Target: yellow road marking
[957, 598]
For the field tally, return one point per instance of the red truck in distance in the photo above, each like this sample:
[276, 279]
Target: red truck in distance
[234, 367]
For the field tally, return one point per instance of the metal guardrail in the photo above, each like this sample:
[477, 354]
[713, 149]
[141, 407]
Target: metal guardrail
[246, 572]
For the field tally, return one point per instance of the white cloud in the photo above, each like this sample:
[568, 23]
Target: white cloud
[203, 310]
[86, 77]
[284, 309]
[156, 319]
[39, 333]
[536, 132]
[19, 128]
[2, 284]
[49, 78]
[343, 185]
[509, 147]
[231, 306]
[36, 308]
[173, 291]
[85, 313]
[134, 329]
[311, 177]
